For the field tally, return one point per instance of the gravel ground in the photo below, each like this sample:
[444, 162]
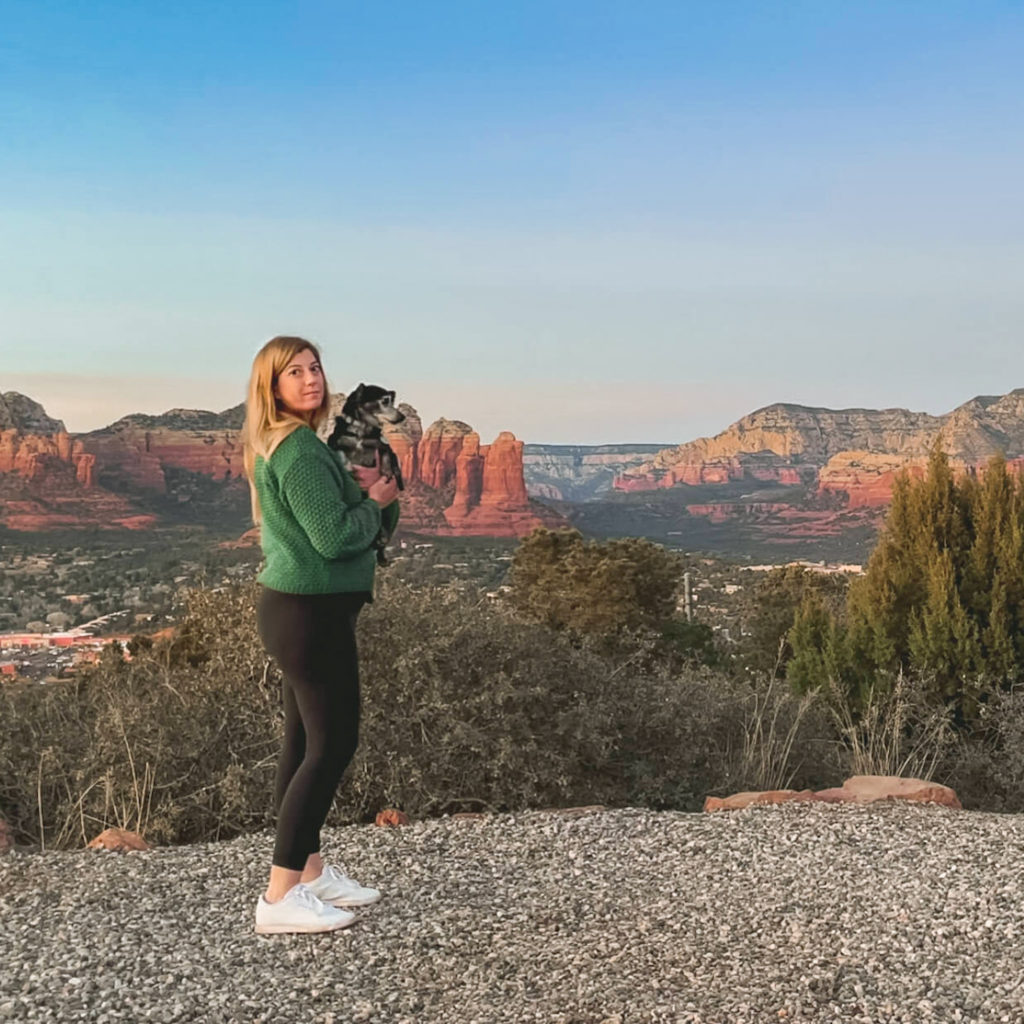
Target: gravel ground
[793, 913]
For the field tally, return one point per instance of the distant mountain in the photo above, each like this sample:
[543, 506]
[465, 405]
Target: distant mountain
[567, 472]
[855, 452]
[47, 478]
[797, 481]
[177, 419]
[786, 478]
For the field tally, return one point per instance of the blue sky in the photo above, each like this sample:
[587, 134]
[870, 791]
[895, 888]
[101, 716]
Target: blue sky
[582, 222]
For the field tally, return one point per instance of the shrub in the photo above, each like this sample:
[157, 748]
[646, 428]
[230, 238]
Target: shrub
[464, 708]
[564, 582]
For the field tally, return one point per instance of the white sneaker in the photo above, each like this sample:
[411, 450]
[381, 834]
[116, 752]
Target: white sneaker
[299, 910]
[334, 888]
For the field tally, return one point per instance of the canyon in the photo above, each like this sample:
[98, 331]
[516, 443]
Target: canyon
[565, 472]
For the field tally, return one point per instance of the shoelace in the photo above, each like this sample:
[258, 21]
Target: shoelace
[304, 896]
[336, 876]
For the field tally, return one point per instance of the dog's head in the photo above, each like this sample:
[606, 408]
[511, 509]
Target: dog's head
[372, 405]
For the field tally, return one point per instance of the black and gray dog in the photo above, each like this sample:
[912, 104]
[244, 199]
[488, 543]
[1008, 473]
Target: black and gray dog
[357, 436]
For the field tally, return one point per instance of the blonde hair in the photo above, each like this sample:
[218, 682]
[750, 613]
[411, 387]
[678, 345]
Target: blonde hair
[267, 424]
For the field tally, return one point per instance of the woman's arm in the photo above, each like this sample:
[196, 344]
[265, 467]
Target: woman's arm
[335, 530]
[389, 516]
[366, 476]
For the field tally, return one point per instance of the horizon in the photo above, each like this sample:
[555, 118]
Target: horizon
[569, 221]
[426, 422]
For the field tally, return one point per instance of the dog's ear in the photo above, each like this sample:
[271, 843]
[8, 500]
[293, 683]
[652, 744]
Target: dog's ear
[357, 395]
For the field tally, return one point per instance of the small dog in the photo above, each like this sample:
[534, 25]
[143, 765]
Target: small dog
[357, 436]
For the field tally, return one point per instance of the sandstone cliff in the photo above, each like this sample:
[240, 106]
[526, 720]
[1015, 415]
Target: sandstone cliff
[47, 480]
[462, 488]
[455, 485]
[134, 453]
[857, 452]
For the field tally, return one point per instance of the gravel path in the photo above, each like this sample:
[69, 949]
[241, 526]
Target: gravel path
[792, 913]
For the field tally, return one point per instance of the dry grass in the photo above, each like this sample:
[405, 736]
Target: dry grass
[895, 732]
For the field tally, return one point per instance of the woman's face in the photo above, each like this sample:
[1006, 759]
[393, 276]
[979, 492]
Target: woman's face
[300, 386]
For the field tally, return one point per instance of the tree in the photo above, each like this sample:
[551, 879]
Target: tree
[943, 593]
[773, 605]
[561, 580]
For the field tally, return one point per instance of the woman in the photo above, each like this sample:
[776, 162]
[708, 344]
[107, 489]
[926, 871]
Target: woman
[317, 527]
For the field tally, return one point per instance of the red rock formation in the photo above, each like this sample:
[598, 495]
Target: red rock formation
[122, 461]
[391, 817]
[118, 839]
[46, 480]
[857, 451]
[860, 789]
[27, 454]
[404, 439]
[455, 486]
[865, 477]
[132, 453]
[85, 468]
[469, 478]
[439, 450]
[503, 483]
[490, 492]
[463, 488]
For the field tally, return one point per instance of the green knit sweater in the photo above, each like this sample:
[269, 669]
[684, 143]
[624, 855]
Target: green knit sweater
[317, 528]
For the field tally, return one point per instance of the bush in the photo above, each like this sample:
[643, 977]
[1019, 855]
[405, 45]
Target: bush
[986, 767]
[464, 708]
[564, 582]
[773, 604]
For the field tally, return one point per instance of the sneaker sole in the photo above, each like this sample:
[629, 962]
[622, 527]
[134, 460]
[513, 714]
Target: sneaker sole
[290, 929]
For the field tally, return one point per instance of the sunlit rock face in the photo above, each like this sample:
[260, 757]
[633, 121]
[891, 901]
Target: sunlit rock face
[853, 452]
[47, 479]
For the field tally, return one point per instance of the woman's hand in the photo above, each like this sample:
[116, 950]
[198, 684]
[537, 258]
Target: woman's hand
[366, 476]
[383, 490]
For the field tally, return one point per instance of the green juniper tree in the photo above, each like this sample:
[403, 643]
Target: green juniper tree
[942, 596]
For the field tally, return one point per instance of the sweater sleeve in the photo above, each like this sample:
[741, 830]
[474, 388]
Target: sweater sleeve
[335, 530]
[389, 516]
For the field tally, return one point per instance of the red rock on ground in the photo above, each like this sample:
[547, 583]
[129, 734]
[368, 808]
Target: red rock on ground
[867, 789]
[767, 796]
[118, 839]
[390, 816]
[860, 789]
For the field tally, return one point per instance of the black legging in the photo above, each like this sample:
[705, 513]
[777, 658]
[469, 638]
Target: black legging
[312, 638]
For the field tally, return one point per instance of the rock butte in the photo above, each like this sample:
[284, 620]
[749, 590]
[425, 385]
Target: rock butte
[481, 488]
[48, 478]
